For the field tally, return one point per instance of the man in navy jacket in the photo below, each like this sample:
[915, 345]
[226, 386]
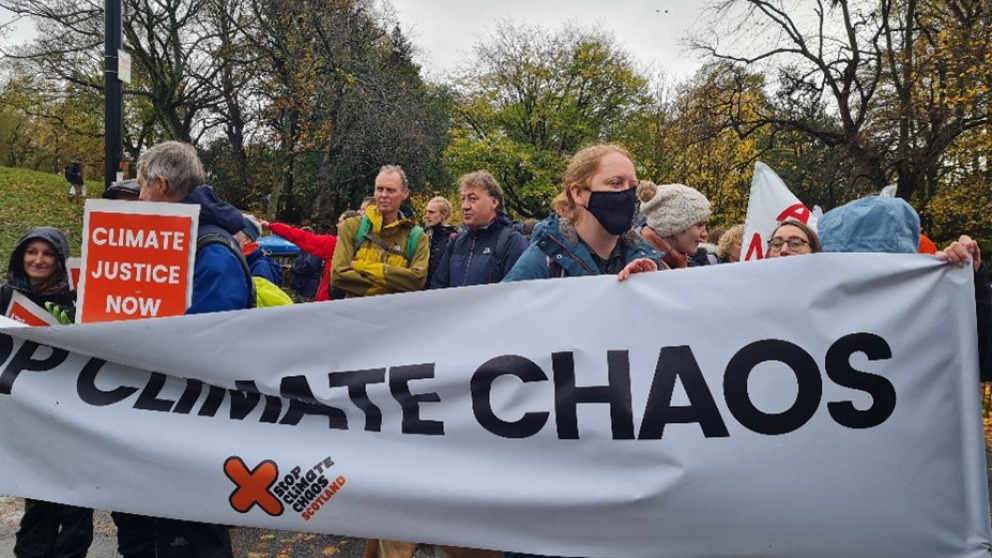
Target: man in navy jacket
[487, 245]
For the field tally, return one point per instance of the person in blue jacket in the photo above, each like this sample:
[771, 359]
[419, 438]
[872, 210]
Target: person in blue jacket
[590, 232]
[172, 172]
[487, 245]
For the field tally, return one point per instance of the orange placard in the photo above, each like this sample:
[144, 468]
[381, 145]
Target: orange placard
[137, 260]
[23, 310]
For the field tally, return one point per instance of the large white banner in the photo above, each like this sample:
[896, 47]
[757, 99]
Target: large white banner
[833, 412]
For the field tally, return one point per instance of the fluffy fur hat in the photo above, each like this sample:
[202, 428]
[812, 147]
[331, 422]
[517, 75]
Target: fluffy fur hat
[253, 229]
[672, 208]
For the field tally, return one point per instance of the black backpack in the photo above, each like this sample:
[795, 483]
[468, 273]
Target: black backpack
[212, 234]
[307, 271]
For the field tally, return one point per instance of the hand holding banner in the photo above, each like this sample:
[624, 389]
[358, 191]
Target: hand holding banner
[697, 435]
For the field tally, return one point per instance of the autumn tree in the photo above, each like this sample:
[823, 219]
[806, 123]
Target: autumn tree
[373, 107]
[530, 98]
[167, 41]
[898, 81]
[42, 128]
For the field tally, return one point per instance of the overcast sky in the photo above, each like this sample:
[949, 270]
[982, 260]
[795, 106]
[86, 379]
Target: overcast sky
[445, 30]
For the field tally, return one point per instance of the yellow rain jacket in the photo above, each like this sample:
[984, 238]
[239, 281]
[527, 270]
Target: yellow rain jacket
[370, 269]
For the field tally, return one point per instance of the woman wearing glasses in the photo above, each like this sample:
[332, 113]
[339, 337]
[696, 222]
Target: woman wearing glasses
[792, 238]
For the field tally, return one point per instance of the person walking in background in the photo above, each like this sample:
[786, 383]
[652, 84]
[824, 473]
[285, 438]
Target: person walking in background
[486, 246]
[37, 270]
[74, 176]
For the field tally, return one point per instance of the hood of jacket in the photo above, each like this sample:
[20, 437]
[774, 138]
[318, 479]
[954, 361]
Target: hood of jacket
[872, 224]
[214, 211]
[15, 266]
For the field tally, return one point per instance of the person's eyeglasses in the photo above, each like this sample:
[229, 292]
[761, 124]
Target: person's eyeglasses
[795, 243]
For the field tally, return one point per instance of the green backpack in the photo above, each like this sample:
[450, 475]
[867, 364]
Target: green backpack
[411, 241]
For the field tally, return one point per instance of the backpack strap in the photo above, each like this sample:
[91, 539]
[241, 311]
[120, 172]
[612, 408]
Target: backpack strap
[363, 231]
[412, 240]
[212, 234]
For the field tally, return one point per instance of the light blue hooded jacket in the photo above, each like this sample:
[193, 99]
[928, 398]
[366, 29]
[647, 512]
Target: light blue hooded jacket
[873, 224]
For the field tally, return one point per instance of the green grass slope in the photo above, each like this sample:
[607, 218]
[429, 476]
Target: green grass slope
[32, 199]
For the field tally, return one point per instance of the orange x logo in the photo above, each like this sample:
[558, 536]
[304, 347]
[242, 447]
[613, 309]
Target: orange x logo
[253, 486]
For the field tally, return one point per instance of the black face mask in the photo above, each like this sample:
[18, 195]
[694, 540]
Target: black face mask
[614, 210]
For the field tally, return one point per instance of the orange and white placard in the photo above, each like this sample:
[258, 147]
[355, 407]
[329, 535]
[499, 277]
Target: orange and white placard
[137, 260]
[21, 309]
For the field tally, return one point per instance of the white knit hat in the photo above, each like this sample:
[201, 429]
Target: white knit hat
[672, 208]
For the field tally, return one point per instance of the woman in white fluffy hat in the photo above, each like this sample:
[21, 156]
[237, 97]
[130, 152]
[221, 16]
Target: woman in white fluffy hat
[676, 222]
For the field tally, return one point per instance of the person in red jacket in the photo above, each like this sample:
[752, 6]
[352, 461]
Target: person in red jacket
[320, 245]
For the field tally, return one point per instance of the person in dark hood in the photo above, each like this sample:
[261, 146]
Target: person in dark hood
[487, 246]
[37, 270]
[172, 172]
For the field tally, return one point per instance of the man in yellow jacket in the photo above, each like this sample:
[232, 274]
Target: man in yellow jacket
[375, 254]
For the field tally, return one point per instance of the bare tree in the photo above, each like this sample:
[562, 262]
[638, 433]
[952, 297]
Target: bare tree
[859, 63]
